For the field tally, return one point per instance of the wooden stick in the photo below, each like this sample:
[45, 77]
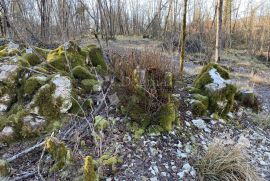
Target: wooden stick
[25, 151]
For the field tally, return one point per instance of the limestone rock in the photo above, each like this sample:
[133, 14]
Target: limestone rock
[7, 134]
[247, 98]
[33, 125]
[214, 83]
[63, 91]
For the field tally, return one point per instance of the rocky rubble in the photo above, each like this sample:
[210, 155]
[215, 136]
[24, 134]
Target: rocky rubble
[40, 87]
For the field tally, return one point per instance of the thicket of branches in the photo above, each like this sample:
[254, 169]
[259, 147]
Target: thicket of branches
[245, 25]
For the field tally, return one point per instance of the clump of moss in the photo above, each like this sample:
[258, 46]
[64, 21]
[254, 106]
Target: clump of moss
[6, 53]
[89, 169]
[110, 160]
[34, 59]
[81, 73]
[203, 99]
[14, 118]
[89, 84]
[66, 56]
[4, 168]
[248, 99]
[101, 123]
[96, 57]
[59, 152]
[44, 101]
[198, 108]
[167, 116]
[33, 83]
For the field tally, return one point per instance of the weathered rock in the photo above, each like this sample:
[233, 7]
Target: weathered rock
[66, 56]
[7, 134]
[53, 98]
[214, 83]
[8, 73]
[114, 100]
[63, 89]
[247, 98]
[33, 125]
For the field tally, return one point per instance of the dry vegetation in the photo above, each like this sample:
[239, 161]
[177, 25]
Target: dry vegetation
[226, 162]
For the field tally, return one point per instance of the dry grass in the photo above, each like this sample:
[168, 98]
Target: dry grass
[257, 79]
[262, 120]
[228, 163]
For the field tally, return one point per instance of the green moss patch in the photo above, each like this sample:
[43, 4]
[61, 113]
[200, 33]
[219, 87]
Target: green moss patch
[47, 106]
[89, 169]
[59, 152]
[34, 83]
[167, 116]
[89, 84]
[81, 73]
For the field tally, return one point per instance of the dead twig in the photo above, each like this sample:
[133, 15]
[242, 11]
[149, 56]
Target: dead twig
[25, 151]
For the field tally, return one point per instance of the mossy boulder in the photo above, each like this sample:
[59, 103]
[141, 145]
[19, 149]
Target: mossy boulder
[80, 72]
[34, 83]
[9, 50]
[213, 82]
[35, 56]
[198, 108]
[96, 57]
[33, 125]
[167, 116]
[248, 99]
[9, 75]
[66, 57]
[54, 98]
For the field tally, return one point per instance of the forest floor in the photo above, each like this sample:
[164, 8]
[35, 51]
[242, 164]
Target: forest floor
[170, 156]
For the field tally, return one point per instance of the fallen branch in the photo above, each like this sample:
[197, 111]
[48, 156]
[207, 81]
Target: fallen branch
[25, 176]
[25, 151]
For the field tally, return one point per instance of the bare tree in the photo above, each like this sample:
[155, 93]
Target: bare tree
[183, 38]
[219, 30]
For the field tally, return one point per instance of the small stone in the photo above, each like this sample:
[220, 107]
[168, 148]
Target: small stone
[243, 141]
[181, 174]
[174, 168]
[189, 113]
[263, 163]
[188, 148]
[163, 174]
[186, 167]
[193, 172]
[7, 133]
[153, 179]
[199, 123]
[114, 100]
[187, 123]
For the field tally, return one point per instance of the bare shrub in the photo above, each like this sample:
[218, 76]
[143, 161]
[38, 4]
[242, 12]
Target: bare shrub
[225, 162]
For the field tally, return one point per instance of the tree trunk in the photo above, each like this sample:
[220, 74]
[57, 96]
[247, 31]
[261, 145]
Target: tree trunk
[183, 39]
[219, 30]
